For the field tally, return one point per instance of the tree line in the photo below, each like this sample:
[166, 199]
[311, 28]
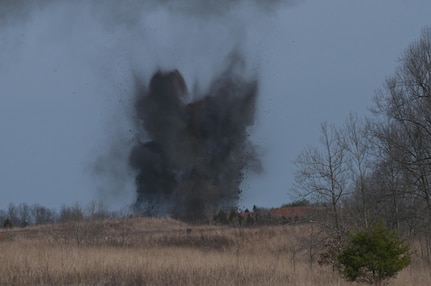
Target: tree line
[379, 166]
[22, 215]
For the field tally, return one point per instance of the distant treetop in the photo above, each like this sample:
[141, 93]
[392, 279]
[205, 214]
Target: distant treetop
[298, 203]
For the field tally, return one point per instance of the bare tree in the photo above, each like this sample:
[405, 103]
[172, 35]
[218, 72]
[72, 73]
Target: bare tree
[392, 189]
[97, 210]
[74, 213]
[322, 172]
[43, 215]
[13, 214]
[404, 103]
[3, 216]
[359, 158]
[24, 214]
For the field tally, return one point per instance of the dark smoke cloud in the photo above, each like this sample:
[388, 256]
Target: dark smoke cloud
[196, 153]
[100, 41]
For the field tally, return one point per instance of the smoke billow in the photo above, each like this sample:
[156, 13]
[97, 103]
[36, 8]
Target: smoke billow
[196, 153]
[190, 148]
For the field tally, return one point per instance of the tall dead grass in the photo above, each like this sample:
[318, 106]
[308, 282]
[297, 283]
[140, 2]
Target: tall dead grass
[167, 252]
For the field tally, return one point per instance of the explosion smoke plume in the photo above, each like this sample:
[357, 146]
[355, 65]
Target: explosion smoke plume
[195, 154]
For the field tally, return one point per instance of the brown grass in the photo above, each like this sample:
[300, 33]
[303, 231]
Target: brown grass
[143, 251]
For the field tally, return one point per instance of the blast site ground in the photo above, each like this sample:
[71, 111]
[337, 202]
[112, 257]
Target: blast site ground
[163, 251]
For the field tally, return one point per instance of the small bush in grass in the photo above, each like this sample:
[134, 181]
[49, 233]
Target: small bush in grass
[373, 255]
[7, 224]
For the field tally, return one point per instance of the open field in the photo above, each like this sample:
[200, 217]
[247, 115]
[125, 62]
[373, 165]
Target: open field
[147, 251]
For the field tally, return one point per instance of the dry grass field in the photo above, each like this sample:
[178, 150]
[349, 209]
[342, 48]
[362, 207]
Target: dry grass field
[148, 251]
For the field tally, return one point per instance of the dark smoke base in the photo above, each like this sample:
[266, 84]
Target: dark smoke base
[196, 155]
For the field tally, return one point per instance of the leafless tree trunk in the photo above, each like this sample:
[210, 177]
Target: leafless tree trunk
[357, 145]
[321, 172]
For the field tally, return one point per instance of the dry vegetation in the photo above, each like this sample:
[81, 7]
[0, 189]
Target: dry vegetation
[145, 251]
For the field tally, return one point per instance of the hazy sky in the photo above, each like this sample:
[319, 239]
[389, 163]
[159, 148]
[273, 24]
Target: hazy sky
[67, 67]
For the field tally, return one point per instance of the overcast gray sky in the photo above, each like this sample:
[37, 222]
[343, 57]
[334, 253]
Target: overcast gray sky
[66, 79]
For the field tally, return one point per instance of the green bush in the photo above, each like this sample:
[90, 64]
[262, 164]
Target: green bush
[373, 255]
